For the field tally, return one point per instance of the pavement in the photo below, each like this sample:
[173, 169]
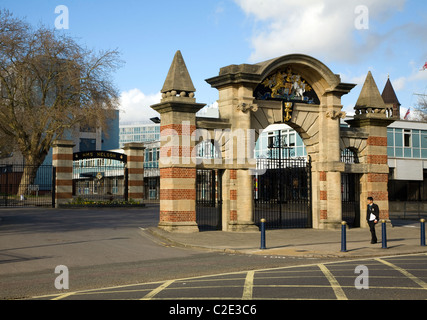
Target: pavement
[402, 237]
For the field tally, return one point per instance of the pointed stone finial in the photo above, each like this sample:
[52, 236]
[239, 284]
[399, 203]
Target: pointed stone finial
[389, 95]
[178, 81]
[370, 100]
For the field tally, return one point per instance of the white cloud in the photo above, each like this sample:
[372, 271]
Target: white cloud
[314, 27]
[135, 105]
[399, 83]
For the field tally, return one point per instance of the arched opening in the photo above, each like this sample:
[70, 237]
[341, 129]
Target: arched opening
[282, 182]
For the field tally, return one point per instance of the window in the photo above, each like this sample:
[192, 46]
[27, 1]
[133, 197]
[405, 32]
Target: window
[292, 140]
[407, 138]
[349, 156]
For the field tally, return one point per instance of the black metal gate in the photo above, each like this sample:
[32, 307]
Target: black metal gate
[27, 186]
[99, 177]
[282, 193]
[209, 199]
[350, 199]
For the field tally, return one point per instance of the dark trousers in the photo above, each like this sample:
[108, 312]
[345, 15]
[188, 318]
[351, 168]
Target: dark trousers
[372, 225]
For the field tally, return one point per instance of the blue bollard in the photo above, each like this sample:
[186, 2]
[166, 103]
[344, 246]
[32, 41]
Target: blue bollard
[423, 232]
[384, 235]
[263, 234]
[343, 236]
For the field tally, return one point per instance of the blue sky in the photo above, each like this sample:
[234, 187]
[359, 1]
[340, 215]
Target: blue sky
[215, 33]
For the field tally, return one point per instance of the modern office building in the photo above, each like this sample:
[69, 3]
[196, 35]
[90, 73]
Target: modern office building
[139, 132]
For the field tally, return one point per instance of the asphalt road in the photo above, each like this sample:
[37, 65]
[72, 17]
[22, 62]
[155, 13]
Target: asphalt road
[109, 256]
[101, 248]
[385, 278]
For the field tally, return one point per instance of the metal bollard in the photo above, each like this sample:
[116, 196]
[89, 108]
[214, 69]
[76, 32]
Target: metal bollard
[343, 236]
[384, 235]
[423, 232]
[263, 234]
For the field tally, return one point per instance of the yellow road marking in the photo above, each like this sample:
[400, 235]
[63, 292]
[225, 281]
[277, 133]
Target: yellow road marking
[249, 286]
[63, 296]
[334, 283]
[418, 281]
[151, 294]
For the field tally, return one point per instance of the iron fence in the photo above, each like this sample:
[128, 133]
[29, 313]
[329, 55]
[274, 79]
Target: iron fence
[208, 199]
[350, 199]
[99, 180]
[27, 186]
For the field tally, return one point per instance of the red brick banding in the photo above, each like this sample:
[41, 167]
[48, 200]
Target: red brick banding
[322, 176]
[181, 151]
[379, 195]
[135, 171]
[173, 129]
[377, 141]
[233, 215]
[177, 194]
[64, 170]
[62, 156]
[323, 214]
[323, 195]
[135, 159]
[189, 173]
[135, 183]
[60, 182]
[377, 177]
[177, 216]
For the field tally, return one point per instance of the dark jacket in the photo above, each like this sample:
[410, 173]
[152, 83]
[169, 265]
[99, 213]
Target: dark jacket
[374, 209]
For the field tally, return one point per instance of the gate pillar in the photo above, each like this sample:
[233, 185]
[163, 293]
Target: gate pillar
[178, 110]
[62, 160]
[236, 103]
[371, 116]
[327, 165]
[135, 165]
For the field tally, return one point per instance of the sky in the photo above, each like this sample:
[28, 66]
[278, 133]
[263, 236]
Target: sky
[352, 37]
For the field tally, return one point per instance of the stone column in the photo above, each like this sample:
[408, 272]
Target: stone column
[237, 104]
[178, 171]
[135, 166]
[374, 183]
[328, 167]
[371, 115]
[62, 160]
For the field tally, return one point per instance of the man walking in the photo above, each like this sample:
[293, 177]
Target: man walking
[372, 216]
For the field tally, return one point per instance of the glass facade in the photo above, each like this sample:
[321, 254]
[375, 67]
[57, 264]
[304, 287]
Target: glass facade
[151, 159]
[139, 133]
[291, 141]
[407, 143]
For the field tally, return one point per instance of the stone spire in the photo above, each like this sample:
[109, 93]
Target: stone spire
[370, 100]
[178, 81]
[390, 99]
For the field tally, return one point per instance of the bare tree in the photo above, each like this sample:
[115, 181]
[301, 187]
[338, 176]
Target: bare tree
[421, 108]
[48, 85]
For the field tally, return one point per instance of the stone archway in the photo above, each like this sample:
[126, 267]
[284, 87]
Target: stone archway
[318, 123]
